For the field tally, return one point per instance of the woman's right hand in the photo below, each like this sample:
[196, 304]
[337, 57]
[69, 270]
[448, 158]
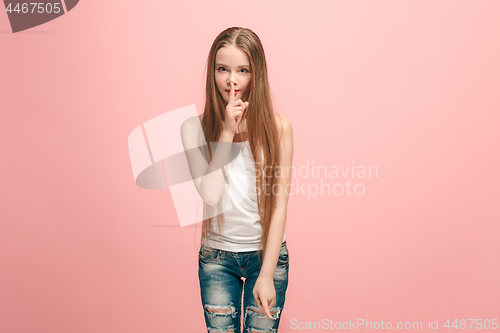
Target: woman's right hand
[234, 112]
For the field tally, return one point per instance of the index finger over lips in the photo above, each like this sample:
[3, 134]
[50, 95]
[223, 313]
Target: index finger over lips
[231, 92]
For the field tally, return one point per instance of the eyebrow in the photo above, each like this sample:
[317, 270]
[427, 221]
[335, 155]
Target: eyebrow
[228, 66]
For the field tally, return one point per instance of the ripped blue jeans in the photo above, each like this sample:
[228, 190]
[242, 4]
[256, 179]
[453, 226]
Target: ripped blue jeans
[220, 273]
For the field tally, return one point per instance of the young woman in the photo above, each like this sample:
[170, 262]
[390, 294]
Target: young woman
[243, 176]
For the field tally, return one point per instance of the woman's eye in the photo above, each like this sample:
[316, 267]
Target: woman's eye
[223, 69]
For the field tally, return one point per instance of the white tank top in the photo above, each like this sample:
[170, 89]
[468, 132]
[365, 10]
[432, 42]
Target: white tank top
[241, 229]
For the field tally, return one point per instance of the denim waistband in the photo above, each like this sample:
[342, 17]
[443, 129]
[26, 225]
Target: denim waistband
[245, 252]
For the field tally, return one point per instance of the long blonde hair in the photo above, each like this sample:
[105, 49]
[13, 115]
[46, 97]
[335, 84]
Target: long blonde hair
[261, 123]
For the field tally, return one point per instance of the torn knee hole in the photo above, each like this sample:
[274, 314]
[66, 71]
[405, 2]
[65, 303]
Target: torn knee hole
[256, 311]
[220, 330]
[218, 309]
[224, 310]
[252, 330]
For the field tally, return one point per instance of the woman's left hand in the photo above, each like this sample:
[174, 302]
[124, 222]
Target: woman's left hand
[265, 295]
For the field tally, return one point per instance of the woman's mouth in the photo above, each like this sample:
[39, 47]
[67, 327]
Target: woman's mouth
[235, 92]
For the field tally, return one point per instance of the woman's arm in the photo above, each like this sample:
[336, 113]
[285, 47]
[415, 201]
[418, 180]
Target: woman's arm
[264, 292]
[278, 217]
[207, 177]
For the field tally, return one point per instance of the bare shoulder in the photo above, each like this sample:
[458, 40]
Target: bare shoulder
[191, 122]
[189, 130]
[284, 125]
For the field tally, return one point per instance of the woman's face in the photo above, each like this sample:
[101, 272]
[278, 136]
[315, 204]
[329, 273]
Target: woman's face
[232, 65]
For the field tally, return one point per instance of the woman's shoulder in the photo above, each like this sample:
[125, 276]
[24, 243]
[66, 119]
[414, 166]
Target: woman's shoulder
[191, 121]
[284, 125]
[190, 127]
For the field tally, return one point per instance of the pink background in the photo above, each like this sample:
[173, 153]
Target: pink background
[408, 86]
